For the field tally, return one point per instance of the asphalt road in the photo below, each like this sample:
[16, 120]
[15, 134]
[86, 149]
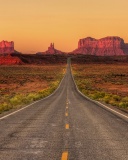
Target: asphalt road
[64, 126]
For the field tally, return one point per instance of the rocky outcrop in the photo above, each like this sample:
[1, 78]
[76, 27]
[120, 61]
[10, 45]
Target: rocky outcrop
[51, 50]
[107, 46]
[6, 47]
[10, 60]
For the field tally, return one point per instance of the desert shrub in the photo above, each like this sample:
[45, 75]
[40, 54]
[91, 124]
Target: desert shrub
[113, 102]
[16, 100]
[46, 92]
[25, 100]
[84, 91]
[97, 95]
[125, 99]
[31, 97]
[123, 104]
[116, 97]
[107, 98]
[4, 107]
[101, 94]
[84, 84]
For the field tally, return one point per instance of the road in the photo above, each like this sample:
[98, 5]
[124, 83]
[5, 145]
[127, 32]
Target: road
[64, 126]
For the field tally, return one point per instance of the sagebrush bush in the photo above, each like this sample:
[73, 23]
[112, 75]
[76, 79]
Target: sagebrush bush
[4, 107]
[16, 100]
[125, 99]
[123, 104]
[107, 98]
[116, 97]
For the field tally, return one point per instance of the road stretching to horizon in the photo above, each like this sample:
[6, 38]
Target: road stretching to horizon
[64, 126]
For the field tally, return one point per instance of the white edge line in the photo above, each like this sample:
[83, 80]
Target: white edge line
[35, 101]
[96, 102]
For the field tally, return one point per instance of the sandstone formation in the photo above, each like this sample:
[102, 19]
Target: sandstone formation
[51, 50]
[6, 47]
[107, 46]
[10, 60]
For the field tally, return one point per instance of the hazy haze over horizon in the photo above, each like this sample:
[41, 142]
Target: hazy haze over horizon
[34, 24]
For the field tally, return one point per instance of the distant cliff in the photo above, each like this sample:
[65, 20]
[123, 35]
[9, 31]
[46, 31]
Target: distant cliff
[108, 46]
[6, 47]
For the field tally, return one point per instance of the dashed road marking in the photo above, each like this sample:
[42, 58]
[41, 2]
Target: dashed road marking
[67, 126]
[66, 114]
[64, 156]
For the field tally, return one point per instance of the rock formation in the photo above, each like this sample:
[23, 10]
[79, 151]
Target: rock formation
[51, 50]
[6, 47]
[107, 46]
[10, 60]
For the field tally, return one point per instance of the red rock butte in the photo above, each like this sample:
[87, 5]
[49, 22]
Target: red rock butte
[51, 50]
[107, 46]
[6, 47]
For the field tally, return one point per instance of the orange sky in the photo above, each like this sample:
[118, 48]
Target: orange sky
[34, 24]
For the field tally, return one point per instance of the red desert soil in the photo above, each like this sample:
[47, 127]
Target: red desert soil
[111, 78]
[27, 79]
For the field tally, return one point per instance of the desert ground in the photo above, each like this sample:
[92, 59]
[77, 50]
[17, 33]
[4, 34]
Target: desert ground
[23, 84]
[104, 82]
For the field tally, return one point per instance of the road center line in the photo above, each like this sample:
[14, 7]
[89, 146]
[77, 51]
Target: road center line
[64, 156]
[66, 114]
[67, 126]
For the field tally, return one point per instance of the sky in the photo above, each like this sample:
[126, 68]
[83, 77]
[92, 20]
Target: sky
[34, 24]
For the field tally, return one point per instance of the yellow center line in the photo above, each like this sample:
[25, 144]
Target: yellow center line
[66, 114]
[64, 156]
[67, 126]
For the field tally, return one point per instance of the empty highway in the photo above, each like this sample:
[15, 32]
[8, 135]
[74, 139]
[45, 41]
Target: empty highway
[64, 126]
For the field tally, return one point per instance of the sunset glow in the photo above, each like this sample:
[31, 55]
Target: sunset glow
[34, 24]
